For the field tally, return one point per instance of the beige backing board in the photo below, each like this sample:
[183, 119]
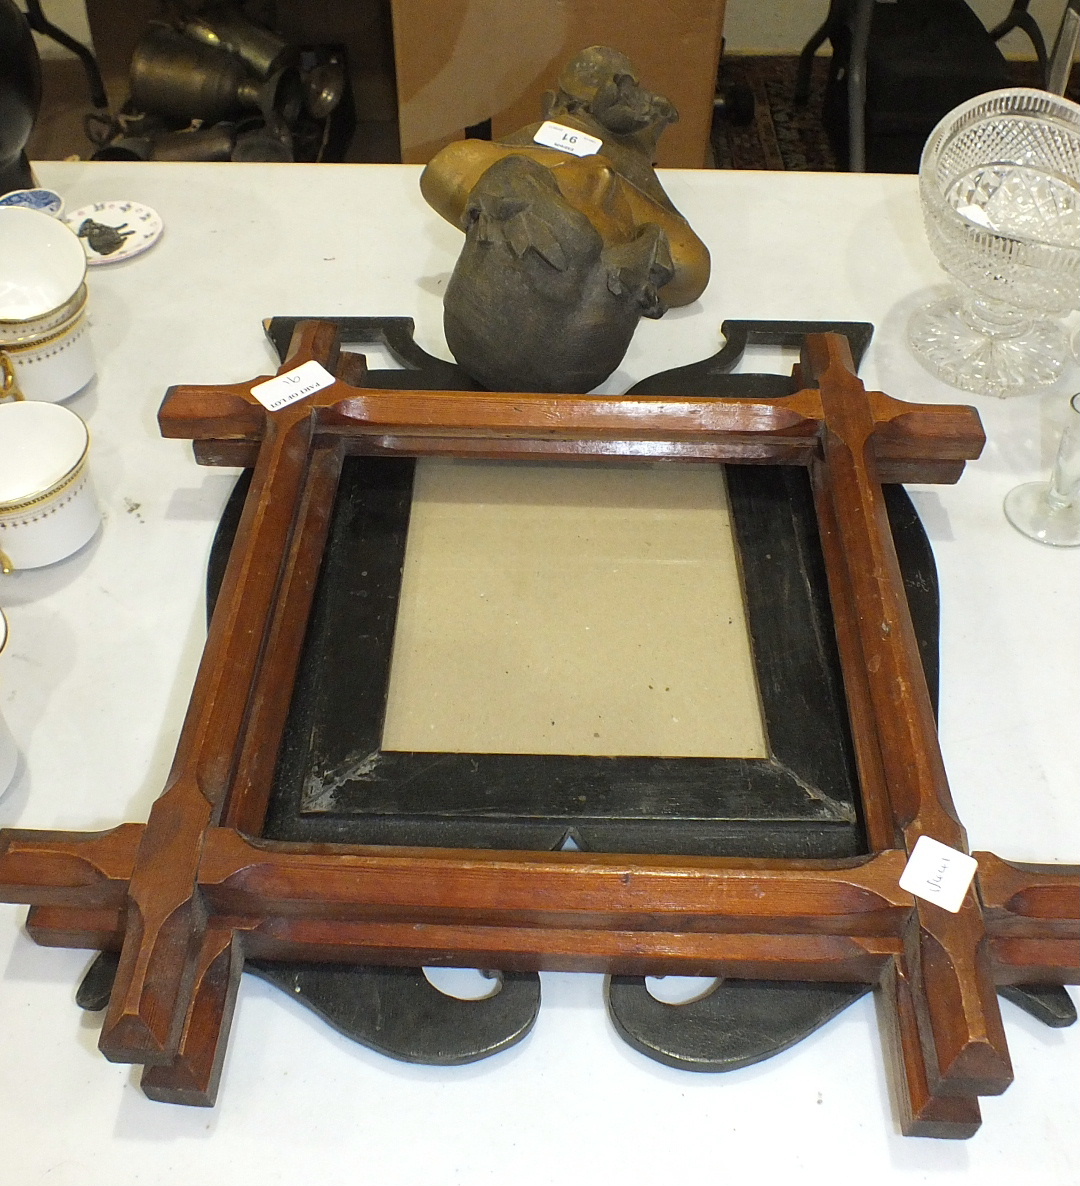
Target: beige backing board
[460, 62]
[566, 608]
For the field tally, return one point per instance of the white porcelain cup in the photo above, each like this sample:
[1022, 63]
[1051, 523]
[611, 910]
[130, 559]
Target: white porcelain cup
[47, 504]
[50, 368]
[45, 351]
[9, 755]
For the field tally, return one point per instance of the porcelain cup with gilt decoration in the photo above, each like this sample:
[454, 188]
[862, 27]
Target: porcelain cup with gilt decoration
[45, 351]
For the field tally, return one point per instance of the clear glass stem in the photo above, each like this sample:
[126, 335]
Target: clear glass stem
[992, 318]
[1064, 487]
[1049, 512]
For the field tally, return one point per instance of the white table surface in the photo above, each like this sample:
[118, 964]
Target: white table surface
[104, 649]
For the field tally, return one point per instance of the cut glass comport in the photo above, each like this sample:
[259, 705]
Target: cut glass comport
[999, 184]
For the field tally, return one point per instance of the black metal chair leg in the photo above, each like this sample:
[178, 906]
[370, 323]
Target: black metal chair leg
[1010, 20]
[1026, 22]
[1018, 17]
[38, 21]
[806, 57]
[856, 85]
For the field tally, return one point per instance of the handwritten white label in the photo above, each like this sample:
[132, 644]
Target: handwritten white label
[279, 392]
[553, 135]
[938, 873]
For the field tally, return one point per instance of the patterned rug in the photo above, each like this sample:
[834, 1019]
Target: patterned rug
[784, 136]
[781, 135]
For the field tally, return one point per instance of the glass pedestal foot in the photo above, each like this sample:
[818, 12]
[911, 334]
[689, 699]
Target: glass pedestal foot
[1002, 361]
[1028, 510]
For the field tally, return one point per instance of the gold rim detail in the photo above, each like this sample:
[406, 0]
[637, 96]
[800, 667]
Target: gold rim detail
[30, 346]
[77, 297]
[57, 488]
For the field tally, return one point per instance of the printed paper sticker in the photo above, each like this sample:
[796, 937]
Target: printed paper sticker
[279, 392]
[937, 873]
[553, 135]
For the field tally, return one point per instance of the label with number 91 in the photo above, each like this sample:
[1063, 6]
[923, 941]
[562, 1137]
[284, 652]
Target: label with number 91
[553, 135]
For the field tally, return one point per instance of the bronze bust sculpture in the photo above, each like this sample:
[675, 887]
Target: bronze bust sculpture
[563, 253]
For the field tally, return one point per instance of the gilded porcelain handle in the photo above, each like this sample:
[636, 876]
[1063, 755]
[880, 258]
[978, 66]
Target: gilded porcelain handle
[9, 383]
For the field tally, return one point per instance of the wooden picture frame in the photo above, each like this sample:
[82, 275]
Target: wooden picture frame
[187, 896]
[801, 799]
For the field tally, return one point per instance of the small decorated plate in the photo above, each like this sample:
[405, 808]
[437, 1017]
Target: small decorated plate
[113, 231]
[48, 201]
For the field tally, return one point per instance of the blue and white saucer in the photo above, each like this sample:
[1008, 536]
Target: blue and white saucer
[48, 201]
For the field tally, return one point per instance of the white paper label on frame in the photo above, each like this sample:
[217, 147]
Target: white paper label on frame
[279, 392]
[553, 135]
[937, 873]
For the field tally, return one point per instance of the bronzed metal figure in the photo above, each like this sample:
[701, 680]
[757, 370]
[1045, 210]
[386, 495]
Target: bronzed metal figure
[564, 253]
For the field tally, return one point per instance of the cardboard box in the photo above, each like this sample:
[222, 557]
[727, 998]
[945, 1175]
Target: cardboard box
[460, 62]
